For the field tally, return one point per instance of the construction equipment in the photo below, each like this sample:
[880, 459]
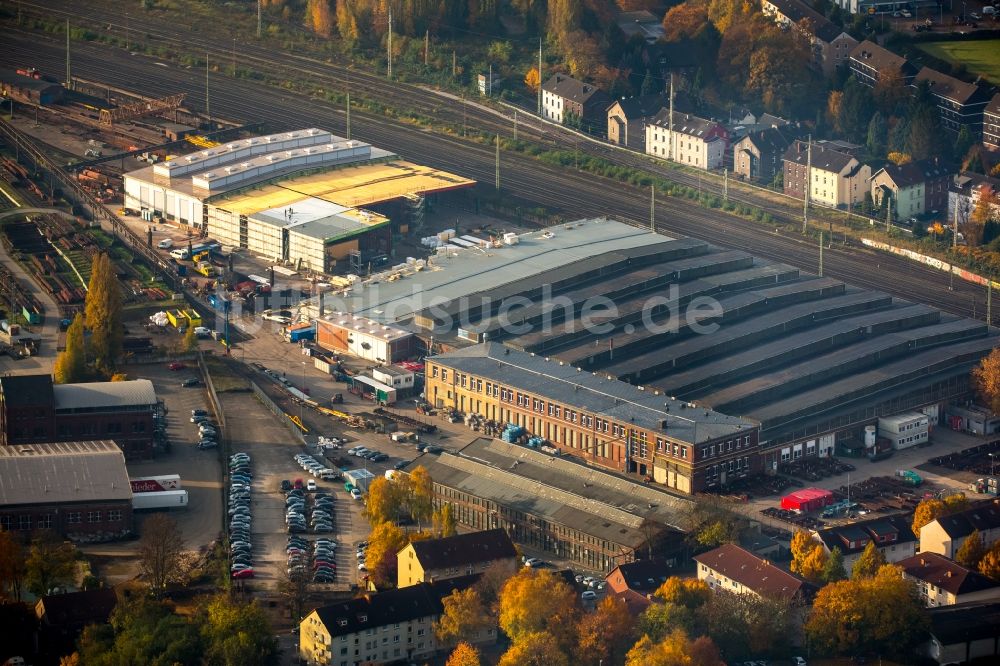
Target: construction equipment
[298, 423]
[148, 107]
[200, 141]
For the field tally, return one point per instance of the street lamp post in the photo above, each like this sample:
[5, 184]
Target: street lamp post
[993, 459]
[302, 384]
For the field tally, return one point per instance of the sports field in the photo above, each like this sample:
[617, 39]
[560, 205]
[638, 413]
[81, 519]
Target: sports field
[980, 57]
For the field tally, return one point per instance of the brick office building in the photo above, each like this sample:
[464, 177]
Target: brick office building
[79, 490]
[604, 421]
[33, 410]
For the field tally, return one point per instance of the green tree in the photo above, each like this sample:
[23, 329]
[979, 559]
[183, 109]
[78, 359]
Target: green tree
[71, 364]
[142, 631]
[963, 143]
[877, 131]
[748, 624]
[444, 521]
[718, 532]
[658, 620]
[855, 112]
[926, 136]
[868, 563]
[972, 551]
[237, 634]
[12, 566]
[50, 563]
[190, 340]
[834, 570]
[103, 311]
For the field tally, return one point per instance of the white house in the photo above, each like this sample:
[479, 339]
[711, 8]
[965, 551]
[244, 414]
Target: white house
[695, 141]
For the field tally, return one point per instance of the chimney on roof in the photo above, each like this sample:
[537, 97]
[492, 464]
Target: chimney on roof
[948, 573]
[558, 79]
[586, 89]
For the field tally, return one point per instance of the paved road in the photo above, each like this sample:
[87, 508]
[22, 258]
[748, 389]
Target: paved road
[575, 194]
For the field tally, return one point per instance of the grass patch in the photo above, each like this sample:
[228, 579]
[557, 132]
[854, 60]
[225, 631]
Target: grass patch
[223, 377]
[979, 56]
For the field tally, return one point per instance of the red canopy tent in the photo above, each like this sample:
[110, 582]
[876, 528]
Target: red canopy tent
[807, 499]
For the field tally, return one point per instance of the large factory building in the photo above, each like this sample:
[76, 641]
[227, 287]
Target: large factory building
[304, 198]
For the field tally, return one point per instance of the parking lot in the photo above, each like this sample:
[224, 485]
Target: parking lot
[200, 472]
[272, 450]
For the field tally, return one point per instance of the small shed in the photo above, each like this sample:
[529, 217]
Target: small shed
[807, 499]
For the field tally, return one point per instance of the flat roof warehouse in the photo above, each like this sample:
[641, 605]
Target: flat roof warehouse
[800, 354]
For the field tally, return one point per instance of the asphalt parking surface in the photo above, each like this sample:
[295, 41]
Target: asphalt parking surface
[200, 472]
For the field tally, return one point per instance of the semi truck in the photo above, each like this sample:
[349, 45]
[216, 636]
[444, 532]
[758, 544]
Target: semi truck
[166, 499]
[154, 484]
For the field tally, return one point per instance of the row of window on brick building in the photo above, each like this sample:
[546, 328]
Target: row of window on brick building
[27, 521]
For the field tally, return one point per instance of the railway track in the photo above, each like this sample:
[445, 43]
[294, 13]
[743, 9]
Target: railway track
[574, 193]
[187, 36]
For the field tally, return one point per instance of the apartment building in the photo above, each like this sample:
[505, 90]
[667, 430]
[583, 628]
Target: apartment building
[730, 568]
[943, 582]
[695, 141]
[835, 178]
[604, 421]
[960, 104]
[946, 534]
[434, 560]
[878, 67]
[627, 119]
[892, 535]
[831, 45]
[757, 157]
[567, 100]
[379, 628]
[991, 123]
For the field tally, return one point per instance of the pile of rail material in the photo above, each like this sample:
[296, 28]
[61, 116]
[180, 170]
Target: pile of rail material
[28, 239]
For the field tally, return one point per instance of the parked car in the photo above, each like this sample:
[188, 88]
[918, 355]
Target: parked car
[190, 382]
[588, 595]
[286, 485]
[310, 485]
[176, 365]
[532, 562]
[356, 494]
[243, 573]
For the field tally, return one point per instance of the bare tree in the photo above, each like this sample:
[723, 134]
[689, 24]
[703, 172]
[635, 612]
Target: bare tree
[294, 587]
[160, 551]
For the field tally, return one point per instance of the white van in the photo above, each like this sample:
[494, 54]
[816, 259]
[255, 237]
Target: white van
[179, 253]
[989, 11]
[165, 244]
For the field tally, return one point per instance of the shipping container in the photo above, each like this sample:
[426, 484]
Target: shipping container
[153, 484]
[167, 499]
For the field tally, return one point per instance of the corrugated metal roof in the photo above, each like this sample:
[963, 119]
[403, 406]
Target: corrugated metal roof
[559, 489]
[32, 474]
[134, 393]
[598, 395]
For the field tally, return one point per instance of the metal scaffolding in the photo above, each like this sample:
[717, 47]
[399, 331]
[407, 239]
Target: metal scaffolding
[149, 107]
